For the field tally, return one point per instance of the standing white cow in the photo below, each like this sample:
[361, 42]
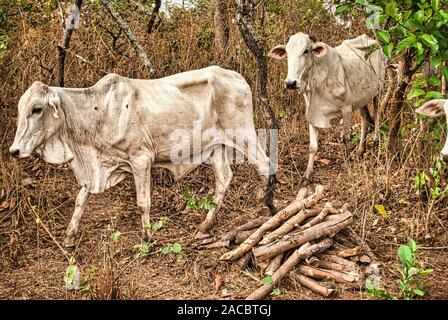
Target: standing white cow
[334, 81]
[122, 126]
[436, 108]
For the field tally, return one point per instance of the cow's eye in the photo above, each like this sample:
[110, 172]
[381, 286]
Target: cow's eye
[305, 52]
[37, 110]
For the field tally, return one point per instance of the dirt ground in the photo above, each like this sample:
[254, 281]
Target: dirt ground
[32, 266]
[36, 270]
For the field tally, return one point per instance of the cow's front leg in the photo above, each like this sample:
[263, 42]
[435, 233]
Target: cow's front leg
[314, 139]
[346, 130]
[142, 180]
[223, 176]
[72, 230]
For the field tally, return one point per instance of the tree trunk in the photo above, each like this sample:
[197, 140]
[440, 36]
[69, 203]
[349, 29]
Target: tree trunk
[154, 16]
[244, 19]
[398, 102]
[70, 25]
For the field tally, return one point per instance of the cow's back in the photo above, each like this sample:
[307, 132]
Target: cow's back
[365, 77]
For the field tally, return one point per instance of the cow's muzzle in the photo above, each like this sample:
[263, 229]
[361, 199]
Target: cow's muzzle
[14, 152]
[291, 84]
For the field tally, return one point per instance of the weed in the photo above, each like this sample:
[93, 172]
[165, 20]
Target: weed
[197, 204]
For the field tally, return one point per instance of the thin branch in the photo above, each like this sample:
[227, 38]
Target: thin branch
[132, 38]
[83, 60]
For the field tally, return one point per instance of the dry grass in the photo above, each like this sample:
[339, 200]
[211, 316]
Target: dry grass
[31, 264]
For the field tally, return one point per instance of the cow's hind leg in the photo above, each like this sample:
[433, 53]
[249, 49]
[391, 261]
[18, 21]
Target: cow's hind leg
[72, 230]
[266, 170]
[223, 176]
[346, 131]
[366, 124]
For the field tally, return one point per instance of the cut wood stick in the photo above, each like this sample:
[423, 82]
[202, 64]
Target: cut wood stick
[289, 225]
[362, 258]
[362, 244]
[326, 274]
[325, 211]
[334, 266]
[215, 245]
[314, 285]
[242, 262]
[252, 224]
[338, 260]
[243, 235]
[345, 253]
[329, 228]
[305, 251]
[273, 265]
[275, 221]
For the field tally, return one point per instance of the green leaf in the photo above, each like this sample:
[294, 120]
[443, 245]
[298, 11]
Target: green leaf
[436, 61]
[406, 43]
[412, 245]
[431, 42]
[426, 272]
[419, 16]
[413, 271]
[418, 292]
[383, 36]
[405, 254]
[419, 47]
[388, 50]
[115, 236]
[176, 248]
[267, 280]
[369, 285]
[381, 210]
[341, 9]
[434, 95]
[415, 93]
[165, 250]
[434, 81]
[435, 5]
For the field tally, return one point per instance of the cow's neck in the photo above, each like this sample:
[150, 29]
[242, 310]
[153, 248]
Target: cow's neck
[79, 107]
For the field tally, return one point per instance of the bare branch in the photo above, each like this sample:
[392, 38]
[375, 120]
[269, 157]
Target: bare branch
[132, 38]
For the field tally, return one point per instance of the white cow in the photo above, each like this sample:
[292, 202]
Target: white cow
[436, 108]
[121, 126]
[334, 81]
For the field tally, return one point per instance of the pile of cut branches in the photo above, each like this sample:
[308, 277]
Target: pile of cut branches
[299, 237]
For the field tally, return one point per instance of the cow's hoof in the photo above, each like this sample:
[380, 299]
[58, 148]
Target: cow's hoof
[69, 248]
[305, 183]
[201, 235]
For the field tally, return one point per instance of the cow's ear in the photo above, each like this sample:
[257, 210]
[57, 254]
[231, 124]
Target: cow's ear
[319, 50]
[55, 102]
[278, 52]
[56, 150]
[433, 108]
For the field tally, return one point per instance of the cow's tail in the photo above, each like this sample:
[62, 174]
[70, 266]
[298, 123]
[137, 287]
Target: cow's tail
[268, 199]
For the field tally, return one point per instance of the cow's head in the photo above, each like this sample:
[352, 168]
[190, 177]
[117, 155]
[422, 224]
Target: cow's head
[39, 118]
[436, 108]
[302, 50]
